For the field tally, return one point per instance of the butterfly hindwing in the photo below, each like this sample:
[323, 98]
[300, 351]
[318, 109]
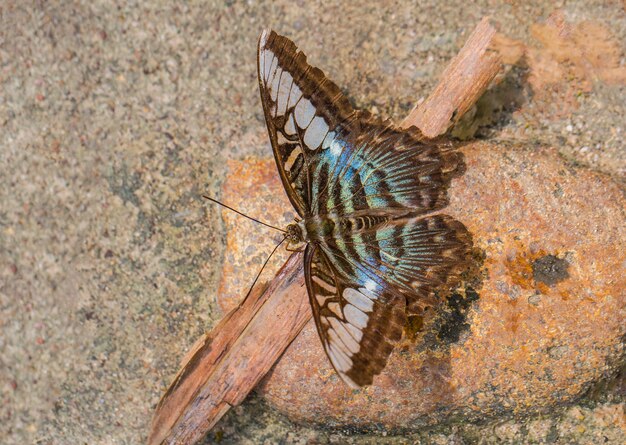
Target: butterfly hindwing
[358, 316]
[417, 256]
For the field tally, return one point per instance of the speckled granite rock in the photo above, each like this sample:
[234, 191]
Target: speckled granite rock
[546, 323]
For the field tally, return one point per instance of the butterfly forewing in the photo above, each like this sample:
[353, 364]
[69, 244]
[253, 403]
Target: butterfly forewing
[364, 189]
[303, 111]
[374, 165]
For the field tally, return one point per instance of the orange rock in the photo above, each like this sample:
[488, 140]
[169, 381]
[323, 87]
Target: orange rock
[547, 322]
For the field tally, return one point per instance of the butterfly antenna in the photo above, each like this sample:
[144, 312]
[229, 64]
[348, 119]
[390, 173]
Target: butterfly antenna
[262, 267]
[244, 215]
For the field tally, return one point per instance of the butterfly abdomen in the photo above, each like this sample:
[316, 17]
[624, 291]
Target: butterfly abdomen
[318, 227]
[360, 223]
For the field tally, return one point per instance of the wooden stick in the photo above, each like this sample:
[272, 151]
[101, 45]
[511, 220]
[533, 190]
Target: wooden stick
[465, 79]
[227, 363]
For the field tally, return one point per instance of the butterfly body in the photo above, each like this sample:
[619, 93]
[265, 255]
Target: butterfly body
[367, 194]
[319, 228]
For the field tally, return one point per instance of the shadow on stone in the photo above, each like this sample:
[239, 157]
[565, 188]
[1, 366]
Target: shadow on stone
[495, 107]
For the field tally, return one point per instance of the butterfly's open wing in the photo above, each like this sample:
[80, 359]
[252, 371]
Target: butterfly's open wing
[334, 159]
[303, 111]
[375, 165]
[358, 315]
[360, 285]
[417, 256]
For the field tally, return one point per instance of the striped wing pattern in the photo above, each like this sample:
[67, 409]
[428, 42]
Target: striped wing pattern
[414, 255]
[374, 165]
[358, 315]
[366, 191]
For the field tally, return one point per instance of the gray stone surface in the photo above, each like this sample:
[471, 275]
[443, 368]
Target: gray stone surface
[116, 116]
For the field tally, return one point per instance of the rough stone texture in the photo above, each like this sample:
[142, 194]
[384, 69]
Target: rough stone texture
[115, 117]
[252, 187]
[547, 321]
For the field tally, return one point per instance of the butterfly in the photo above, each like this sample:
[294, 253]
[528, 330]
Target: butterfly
[365, 192]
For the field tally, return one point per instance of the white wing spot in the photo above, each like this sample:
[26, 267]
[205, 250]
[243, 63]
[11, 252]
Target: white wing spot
[281, 139]
[315, 132]
[268, 58]
[339, 358]
[283, 91]
[334, 360]
[290, 127]
[368, 293]
[292, 158]
[357, 299]
[335, 308]
[370, 285]
[328, 140]
[336, 147]
[355, 316]
[275, 83]
[342, 333]
[263, 39]
[324, 285]
[271, 70]
[355, 332]
[304, 113]
[295, 96]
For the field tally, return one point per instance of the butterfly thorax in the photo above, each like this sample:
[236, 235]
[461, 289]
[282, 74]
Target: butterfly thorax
[311, 229]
